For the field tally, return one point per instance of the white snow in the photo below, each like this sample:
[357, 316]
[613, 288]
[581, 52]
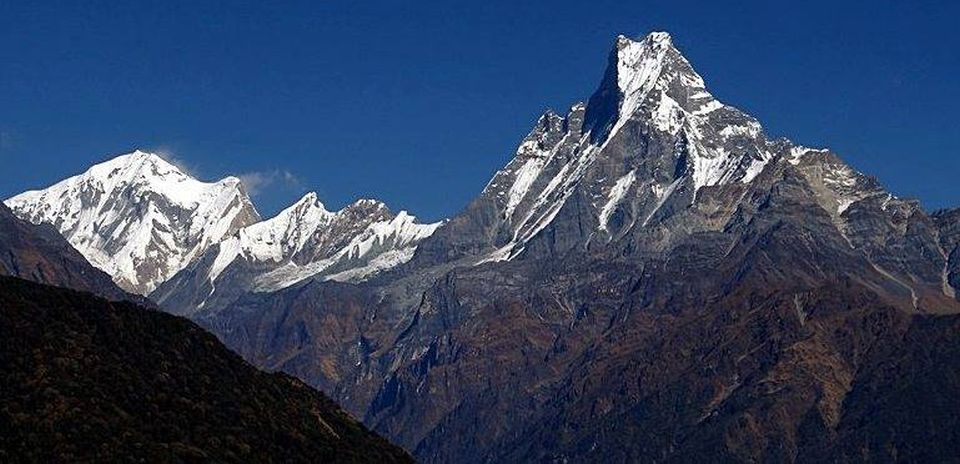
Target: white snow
[844, 183]
[641, 70]
[751, 130]
[523, 179]
[301, 242]
[138, 217]
[555, 194]
[845, 203]
[755, 168]
[708, 107]
[500, 254]
[617, 192]
[141, 219]
[722, 146]
[274, 239]
[886, 202]
[643, 80]
[638, 67]
[376, 265]
[710, 167]
[667, 115]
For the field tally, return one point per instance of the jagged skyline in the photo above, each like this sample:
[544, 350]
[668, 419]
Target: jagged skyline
[308, 108]
[656, 275]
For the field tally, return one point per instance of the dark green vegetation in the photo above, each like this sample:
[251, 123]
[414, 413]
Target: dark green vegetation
[89, 380]
[652, 278]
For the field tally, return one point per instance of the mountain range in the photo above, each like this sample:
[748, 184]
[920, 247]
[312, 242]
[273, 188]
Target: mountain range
[95, 376]
[652, 277]
[147, 223]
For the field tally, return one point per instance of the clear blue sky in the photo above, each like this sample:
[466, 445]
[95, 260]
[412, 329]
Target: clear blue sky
[418, 103]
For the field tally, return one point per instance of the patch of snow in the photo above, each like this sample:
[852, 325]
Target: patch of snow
[886, 202]
[523, 179]
[755, 168]
[710, 170]
[500, 254]
[378, 264]
[638, 66]
[751, 130]
[615, 196]
[845, 203]
[708, 107]
[667, 115]
[663, 199]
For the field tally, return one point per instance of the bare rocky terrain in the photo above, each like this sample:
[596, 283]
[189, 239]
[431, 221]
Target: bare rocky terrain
[651, 278]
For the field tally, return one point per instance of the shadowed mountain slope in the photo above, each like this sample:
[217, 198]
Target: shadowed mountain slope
[90, 380]
[39, 253]
[651, 279]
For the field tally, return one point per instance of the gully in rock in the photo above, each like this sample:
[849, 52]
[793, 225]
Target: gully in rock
[652, 277]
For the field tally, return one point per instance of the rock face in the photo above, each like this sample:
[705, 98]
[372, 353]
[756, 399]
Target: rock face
[651, 278]
[647, 144]
[91, 379]
[654, 158]
[139, 218]
[304, 241]
[86, 380]
[948, 225]
[40, 254]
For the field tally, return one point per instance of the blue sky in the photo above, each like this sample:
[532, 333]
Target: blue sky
[418, 103]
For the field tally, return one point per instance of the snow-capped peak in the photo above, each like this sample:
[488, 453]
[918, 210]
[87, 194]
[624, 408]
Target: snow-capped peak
[650, 131]
[306, 240]
[639, 62]
[138, 217]
[307, 210]
[658, 84]
[290, 230]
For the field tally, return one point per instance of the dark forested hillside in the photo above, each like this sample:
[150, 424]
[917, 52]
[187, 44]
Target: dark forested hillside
[651, 278]
[89, 380]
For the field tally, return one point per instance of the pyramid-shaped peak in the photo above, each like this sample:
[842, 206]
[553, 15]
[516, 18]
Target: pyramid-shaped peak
[637, 67]
[136, 156]
[309, 197]
[309, 200]
[135, 165]
[143, 157]
[646, 56]
[138, 153]
[654, 38]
